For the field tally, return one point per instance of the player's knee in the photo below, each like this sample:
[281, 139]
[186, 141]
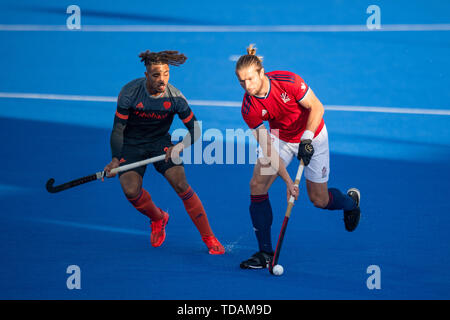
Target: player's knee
[318, 201]
[131, 191]
[131, 184]
[131, 188]
[181, 186]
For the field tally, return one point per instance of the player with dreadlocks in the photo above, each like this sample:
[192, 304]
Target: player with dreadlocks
[297, 129]
[145, 110]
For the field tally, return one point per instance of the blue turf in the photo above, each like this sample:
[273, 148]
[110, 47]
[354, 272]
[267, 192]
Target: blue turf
[400, 162]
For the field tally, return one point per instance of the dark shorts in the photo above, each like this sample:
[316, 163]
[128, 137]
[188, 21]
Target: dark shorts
[133, 153]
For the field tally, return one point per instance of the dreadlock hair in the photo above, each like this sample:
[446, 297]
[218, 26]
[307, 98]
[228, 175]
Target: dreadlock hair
[163, 57]
[250, 59]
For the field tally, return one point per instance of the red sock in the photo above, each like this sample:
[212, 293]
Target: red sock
[196, 211]
[144, 204]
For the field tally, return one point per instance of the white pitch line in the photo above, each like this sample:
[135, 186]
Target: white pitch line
[228, 28]
[65, 97]
[389, 110]
[92, 226]
[218, 103]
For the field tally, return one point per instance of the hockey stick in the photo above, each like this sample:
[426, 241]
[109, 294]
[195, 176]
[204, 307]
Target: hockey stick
[287, 215]
[98, 175]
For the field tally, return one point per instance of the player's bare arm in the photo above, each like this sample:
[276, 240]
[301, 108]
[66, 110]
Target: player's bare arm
[254, 81]
[312, 103]
[275, 162]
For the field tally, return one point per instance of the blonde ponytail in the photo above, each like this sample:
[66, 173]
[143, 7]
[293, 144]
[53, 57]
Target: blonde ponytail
[250, 59]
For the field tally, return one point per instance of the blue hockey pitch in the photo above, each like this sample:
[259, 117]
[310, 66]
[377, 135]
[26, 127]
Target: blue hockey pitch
[397, 153]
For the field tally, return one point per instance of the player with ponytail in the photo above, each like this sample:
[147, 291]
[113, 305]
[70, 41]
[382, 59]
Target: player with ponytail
[297, 129]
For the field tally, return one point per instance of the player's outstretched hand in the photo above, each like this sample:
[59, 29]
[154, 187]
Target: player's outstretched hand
[113, 164]
[305, 151]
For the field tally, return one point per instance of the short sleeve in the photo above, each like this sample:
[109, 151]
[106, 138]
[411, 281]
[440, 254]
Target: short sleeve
[123, 106]
[249, 115]
[300, 88]
[182, 108]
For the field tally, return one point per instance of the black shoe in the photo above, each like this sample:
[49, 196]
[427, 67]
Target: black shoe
[259, 260]
[351, 217]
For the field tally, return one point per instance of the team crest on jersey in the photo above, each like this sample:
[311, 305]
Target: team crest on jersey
[140, 105]
[285, 97]
[303, 86]
[167, 104]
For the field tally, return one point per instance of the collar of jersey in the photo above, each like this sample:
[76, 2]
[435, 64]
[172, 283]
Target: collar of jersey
[268, 92]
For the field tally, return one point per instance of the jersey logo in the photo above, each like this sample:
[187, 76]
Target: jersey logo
[285, 97]
[324, 172]
[167, 104]
[140, 106]
[151, 115]
[303, 86]
[263, 112]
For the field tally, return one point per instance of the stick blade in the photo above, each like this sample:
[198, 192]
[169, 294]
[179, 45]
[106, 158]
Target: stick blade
[49, 186]
[271, 267]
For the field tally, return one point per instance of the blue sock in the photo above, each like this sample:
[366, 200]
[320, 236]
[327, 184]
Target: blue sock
[261, 214]
[338, 201]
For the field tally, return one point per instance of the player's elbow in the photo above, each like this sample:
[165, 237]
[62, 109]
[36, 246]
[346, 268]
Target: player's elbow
[317, 108]
[322, 110]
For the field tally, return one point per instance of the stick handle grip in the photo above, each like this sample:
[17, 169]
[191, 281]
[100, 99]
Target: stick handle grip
[297, 181]
[289, 208]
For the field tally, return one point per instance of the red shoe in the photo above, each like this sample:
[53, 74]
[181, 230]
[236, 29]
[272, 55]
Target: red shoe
[158, 230]
[213, 245]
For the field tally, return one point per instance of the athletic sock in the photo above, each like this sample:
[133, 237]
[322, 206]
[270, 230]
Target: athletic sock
[194, 208]
[261, 215]
[338, 200]
[144, 204]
